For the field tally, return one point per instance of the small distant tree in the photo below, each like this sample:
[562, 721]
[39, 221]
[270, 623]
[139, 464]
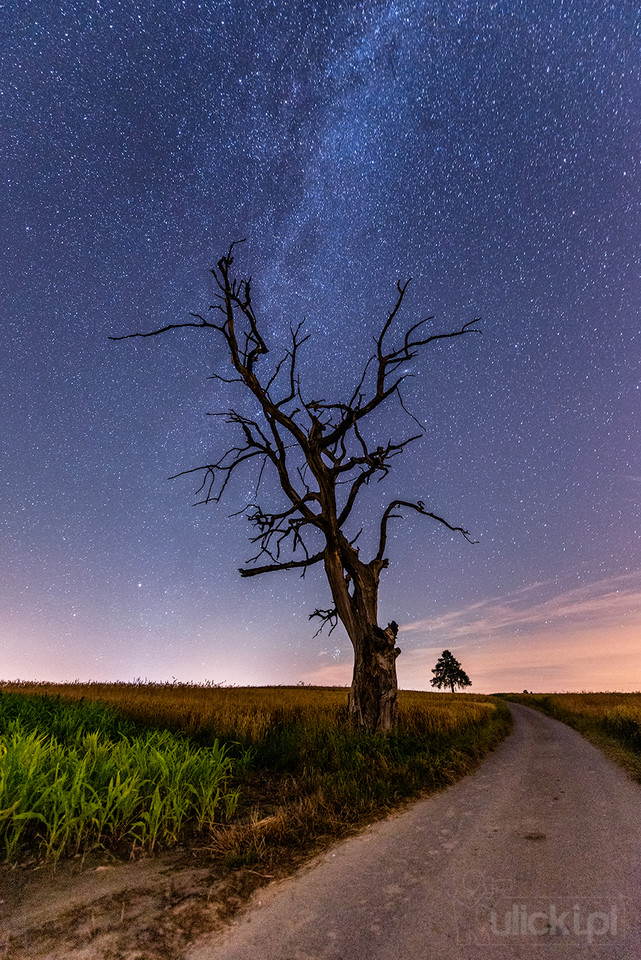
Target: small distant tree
[449, 673]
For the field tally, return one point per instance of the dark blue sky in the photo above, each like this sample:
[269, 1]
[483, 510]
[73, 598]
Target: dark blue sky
[488, 150]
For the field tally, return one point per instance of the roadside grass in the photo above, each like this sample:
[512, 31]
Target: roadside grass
[291, 774]
[612, 721]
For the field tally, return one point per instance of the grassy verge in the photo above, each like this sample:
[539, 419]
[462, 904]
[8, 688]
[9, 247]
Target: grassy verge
[612, 721]
[311, 778]
[312, 783]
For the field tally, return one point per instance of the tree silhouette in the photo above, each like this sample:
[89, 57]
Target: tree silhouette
[449, 673]
[318, 453]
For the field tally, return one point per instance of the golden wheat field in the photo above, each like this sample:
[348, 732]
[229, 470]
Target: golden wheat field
[598, 706]
[250, 713]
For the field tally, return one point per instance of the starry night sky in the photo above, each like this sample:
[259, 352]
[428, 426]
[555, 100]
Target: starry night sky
[488, 150]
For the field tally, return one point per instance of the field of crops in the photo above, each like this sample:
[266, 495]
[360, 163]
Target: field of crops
[77, 776]
[249, 769]
[250, 715]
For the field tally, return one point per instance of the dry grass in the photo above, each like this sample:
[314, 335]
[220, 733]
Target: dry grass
[251, 714]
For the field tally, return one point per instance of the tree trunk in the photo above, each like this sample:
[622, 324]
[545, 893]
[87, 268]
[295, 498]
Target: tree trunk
[374, 691]
[373, 696]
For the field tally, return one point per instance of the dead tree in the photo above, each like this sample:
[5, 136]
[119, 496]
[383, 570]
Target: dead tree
[322, 462]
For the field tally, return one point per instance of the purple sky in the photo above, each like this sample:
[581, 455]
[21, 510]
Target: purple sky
[488, 150]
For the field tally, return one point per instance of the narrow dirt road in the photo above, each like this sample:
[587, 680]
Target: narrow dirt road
[537, 855]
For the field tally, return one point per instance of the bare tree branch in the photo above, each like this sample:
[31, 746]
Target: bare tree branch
[329, 618]
[386, 364]
[274, 567]
[172, 326]
[419, 506]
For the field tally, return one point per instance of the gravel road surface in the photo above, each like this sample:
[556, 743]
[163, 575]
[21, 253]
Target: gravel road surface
[537, 856]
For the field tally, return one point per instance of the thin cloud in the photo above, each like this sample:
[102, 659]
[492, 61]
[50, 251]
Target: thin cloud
[614, 599]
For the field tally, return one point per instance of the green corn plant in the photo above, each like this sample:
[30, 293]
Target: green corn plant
[63, 793]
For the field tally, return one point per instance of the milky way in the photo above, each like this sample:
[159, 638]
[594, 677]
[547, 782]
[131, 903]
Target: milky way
[489, 151]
